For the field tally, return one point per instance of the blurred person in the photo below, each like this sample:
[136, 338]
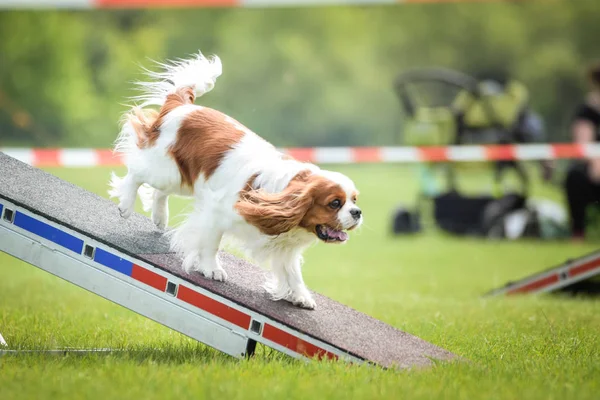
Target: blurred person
[582, 184]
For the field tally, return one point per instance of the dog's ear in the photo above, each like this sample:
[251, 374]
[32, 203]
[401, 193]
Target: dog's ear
[277, 213]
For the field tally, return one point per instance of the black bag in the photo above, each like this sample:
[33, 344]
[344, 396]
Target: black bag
[475, 215]
[405, 221]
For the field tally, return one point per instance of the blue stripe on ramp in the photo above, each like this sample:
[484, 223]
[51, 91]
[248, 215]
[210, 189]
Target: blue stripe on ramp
[113, 262]
[48, 232]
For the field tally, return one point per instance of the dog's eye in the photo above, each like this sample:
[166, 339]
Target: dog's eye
[335, 204]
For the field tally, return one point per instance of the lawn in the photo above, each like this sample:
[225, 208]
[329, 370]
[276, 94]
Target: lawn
[528, 347]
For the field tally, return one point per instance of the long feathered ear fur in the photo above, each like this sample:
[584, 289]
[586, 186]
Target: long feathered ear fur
[277, 213]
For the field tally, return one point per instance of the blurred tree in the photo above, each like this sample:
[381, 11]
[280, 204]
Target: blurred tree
[298, 76]
[65, 72]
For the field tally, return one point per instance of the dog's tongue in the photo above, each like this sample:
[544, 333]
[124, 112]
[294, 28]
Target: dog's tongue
[339, 235]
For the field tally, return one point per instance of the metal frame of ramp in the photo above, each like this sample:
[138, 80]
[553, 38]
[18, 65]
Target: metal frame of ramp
[80, 237]
[566, 275]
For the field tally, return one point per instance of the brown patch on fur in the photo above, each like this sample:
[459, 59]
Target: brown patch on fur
[142, 120]
[203, 139]
[303, 203]
[147, 122]
[250, 184]
[205, 135]
[320, 213]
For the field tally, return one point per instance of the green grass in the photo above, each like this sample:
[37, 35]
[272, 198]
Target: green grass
[528, 347]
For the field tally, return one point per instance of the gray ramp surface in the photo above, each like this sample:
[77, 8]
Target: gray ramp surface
[338, 325]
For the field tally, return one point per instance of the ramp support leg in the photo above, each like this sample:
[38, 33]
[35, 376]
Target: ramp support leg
[250, 348]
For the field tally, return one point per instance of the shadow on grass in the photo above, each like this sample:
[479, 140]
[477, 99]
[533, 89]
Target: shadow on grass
[194, 353]
[162, 353]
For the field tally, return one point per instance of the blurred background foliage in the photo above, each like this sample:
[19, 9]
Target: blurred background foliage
[313, 76]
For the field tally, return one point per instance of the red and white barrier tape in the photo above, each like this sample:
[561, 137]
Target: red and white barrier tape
[104, 4]
[336, 155]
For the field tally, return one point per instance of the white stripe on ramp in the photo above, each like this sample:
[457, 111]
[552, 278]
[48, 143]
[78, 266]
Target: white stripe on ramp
[303, 3]
[334, 155]
[534, 152]
[16, 4]
[400, 154]
[22, 154]
[78, 157]
[466, 153]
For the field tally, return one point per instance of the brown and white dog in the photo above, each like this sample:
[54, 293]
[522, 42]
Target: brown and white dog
[242, 185]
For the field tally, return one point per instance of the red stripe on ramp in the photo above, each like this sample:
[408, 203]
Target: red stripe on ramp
[295, 344]
[567, 151]
[162, 3]
[149, 278]
[539, 284]
[506, 152]
[214, 307]
[366, 154]
[46, 158]
[302, 154]
[433, 154]
[583, 268]
[108, 158]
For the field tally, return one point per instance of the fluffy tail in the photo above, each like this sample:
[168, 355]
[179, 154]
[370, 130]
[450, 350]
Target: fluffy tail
[186, 78]
[197, 73]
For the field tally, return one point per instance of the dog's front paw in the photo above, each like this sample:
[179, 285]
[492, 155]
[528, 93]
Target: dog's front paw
[212, 269]
[303, 301]
[160, 221]
[125, 212]
[215, 274]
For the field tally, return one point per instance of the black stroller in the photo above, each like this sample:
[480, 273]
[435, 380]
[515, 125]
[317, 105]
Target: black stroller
[444, 107]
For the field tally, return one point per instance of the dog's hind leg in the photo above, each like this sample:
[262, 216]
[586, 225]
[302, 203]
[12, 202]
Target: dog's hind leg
[209, 264]
[197, 241]
[160, 209]
[125, 189]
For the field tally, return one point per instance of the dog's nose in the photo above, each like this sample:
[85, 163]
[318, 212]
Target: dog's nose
[355, 212]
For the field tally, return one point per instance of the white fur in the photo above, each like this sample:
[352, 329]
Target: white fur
[197, 72]
[199, 237]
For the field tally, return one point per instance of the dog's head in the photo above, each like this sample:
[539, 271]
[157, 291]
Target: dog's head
[333, 209]
[323, 203]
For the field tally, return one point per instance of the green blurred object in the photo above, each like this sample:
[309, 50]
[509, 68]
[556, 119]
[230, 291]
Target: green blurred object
[429, 185]
[492, 105]
[444, 107]
[433, 126]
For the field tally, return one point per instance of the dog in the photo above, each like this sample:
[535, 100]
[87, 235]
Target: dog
[241, 185]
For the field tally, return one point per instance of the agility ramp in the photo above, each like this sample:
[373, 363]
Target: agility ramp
[569, 276]
[81, 238]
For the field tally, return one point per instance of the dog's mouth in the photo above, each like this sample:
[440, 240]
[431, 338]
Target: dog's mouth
[330, 235]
